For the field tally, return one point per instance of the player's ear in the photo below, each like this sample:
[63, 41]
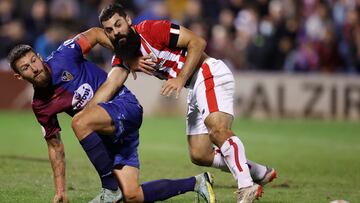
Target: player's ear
[18, 76]
[128, 20]
[38, 55]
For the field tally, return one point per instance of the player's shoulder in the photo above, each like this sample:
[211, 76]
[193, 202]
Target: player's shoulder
[66, 49]
[152, 25]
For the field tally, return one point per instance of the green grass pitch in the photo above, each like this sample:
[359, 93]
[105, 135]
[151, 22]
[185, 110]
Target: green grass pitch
[317, 161]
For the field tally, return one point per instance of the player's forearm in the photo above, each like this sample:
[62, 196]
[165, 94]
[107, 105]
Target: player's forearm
[116, 78]
[97, 35]
[195, 50]
[57, 160]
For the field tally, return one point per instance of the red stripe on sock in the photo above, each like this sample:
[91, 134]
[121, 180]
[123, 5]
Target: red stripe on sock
[218, 151]
[236, 152]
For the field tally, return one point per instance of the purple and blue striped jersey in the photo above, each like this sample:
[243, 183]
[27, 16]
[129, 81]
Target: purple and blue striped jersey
[74, 82]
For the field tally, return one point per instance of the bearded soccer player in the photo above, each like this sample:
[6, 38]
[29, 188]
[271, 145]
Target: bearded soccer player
[66, 82]
[175, 54]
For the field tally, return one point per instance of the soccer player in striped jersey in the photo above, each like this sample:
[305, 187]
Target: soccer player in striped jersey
[107, 130]
[175, 54]
[63, 82]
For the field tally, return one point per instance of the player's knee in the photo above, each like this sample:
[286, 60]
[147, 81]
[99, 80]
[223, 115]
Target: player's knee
[76, 122]
[219, 135]
[79, 123]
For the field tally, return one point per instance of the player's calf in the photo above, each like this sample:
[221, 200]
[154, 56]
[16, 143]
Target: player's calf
[201, 159]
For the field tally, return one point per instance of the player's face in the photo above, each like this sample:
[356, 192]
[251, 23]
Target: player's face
[117, 28]
[32, 69]
[123, 37]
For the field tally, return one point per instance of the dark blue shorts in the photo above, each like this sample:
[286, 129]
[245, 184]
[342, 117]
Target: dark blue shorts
[126, 114]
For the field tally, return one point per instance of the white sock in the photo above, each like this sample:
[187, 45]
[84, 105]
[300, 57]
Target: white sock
[234, 153]
[219, 161]
[257, 171]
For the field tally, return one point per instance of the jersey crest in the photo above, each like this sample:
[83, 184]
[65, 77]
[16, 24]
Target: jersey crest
[66, 76]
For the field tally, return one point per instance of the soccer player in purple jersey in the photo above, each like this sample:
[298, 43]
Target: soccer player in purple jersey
[174, 53]
[66, 82]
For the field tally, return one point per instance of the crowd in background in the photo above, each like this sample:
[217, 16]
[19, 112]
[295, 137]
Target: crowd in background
[257, 35]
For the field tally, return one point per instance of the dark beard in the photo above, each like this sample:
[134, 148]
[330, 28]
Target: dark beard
[45, 82]
[131, 48]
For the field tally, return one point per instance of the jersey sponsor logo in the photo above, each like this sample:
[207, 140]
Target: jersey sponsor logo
[82, 96]
[66, 76]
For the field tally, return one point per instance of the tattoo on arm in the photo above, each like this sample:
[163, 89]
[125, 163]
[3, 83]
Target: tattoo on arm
[57, 160]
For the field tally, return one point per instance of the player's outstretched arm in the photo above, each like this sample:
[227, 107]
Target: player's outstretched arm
[195, 46]
[57, 160]
[96, 36]
[116, 78]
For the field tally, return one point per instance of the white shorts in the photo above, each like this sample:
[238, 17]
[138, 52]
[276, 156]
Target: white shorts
[211, 90]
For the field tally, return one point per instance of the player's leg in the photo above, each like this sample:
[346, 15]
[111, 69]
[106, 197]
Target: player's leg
[199, 144]
[204, 153]
[230, 146]
[128, 180]
[234, 153]
[214, 96]
[126, 164]
[91, 119]
[84, 124]
[159, 190]
[201, 149]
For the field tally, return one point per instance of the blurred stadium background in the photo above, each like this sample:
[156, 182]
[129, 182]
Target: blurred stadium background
[296, 64]
[291, 58]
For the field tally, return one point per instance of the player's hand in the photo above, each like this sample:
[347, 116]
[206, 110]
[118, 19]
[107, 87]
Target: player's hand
[174, 84]
[61, 197]
[142, 64]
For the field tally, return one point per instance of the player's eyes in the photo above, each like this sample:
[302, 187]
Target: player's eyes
[24, 68]
[118, 24]
[108, 30]
[33, 59]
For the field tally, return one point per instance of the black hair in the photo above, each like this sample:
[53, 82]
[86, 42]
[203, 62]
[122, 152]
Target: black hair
[16, 53]
[110, 10]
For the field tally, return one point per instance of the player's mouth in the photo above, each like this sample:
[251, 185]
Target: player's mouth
[122, 41]
[36, 75]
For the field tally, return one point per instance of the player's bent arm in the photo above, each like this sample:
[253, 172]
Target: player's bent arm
[195, 47]
[97, 35]
[57, 159]
[116, 78]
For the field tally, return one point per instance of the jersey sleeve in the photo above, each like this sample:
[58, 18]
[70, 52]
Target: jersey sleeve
[74, 48]
[160, 32]
[49, 123]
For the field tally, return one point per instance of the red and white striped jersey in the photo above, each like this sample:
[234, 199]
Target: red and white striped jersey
[159, 39]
